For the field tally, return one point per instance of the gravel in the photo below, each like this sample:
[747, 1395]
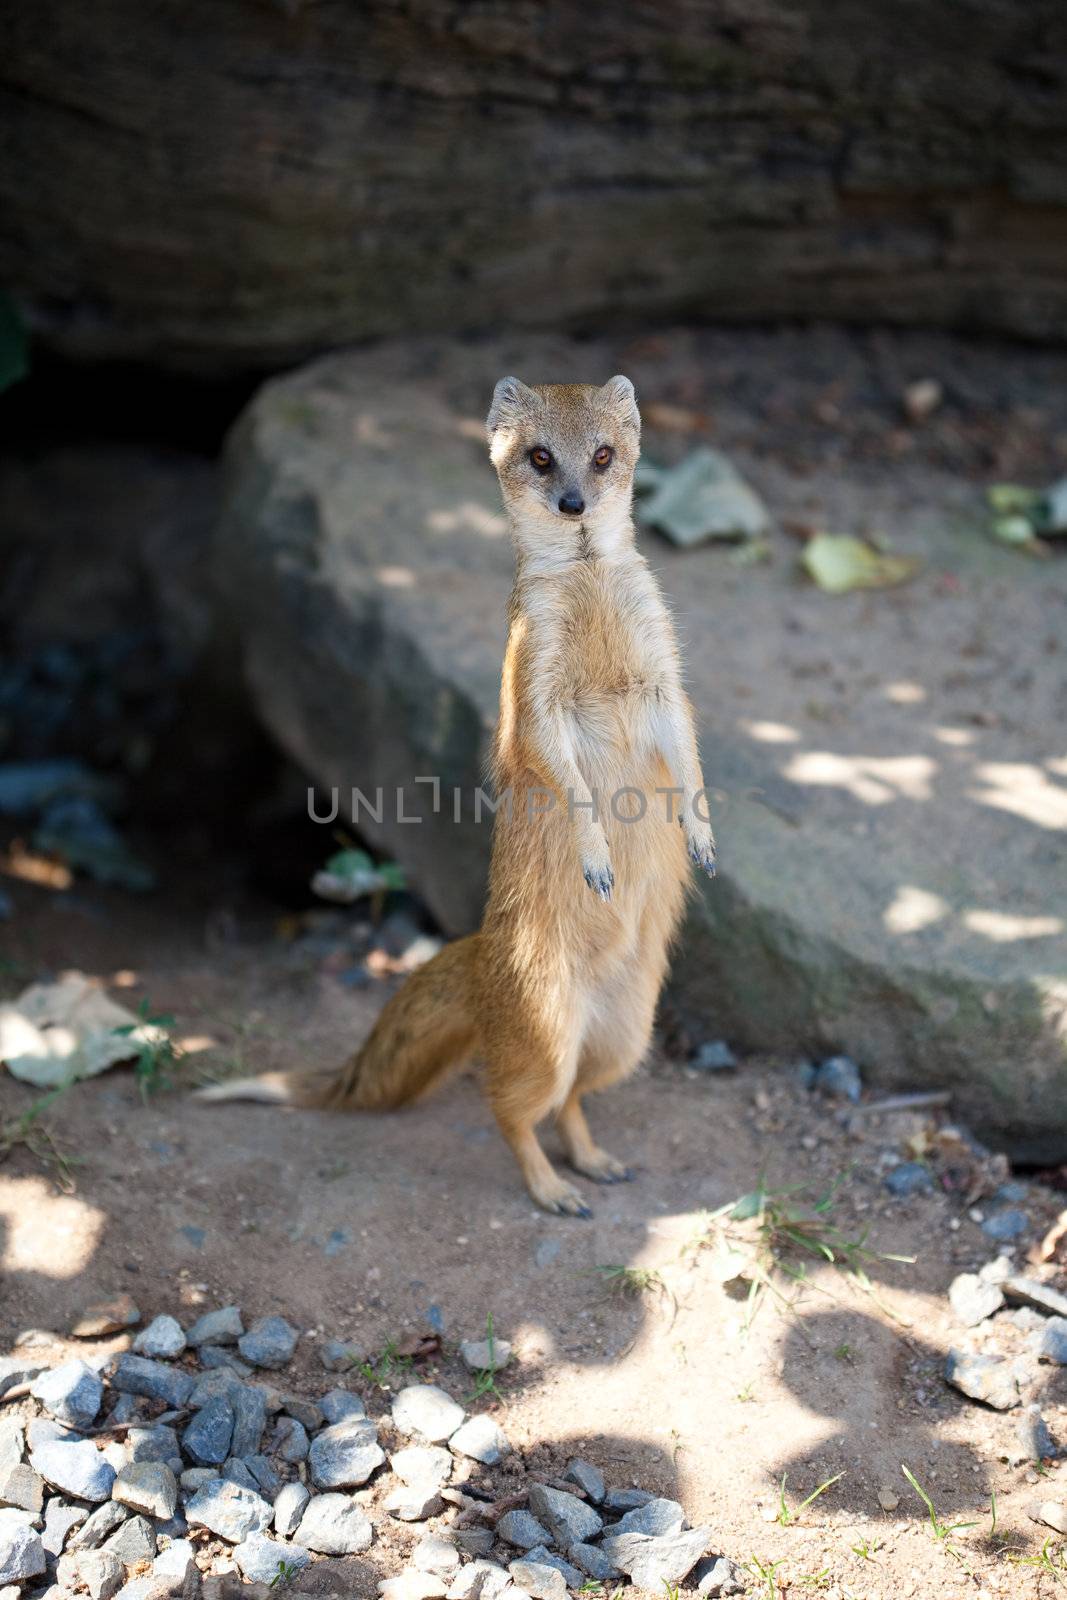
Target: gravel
[21, 1554]
[163, 1339]
[594, 1563]
[217, 1327]
[137, 1375]
[74, 1467]
[345, 1455]
[134, 1541]
[482, 1440]
[259, 1558]
[336, 1356]
[973, 1300]
[1053, 1341]
[991, 1379]
[1032, 1292]
[229, 1510]
[1033, 1438]
[626, 1499]
[289, 1507]
[269, 1342]
[588, 1478]
[148, 1486]
[98, 1572]
[72, 1394]
[479, 1356]
[208, 1437]
[61, 1517]
[249, 1419]
[334, 1525]
[651, 1563]
[340, 1406]
[433, 1554]
[98, 1526]
[548, 1558]
[522, 1529]
[1006, 1225]
[414, 1503]
[655, 1518]
[290, 1440]
[428, 1411]
[422, 1464]
[716, 1575]
[539, 1579]
[22, 1488]
[908, 1178]
[568, 1519]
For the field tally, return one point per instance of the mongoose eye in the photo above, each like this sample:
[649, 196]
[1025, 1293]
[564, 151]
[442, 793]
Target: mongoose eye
[541, 458]
[604, 457]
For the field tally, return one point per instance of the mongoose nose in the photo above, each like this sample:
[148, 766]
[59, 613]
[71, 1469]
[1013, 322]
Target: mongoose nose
[571, 503]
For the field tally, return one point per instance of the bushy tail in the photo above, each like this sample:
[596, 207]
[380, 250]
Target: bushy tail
[426, 1031]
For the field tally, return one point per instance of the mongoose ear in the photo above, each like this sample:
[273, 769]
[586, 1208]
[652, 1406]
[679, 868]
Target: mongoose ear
[510, 396]
[620, 391]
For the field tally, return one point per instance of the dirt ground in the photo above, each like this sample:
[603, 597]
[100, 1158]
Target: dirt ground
[373, 1228]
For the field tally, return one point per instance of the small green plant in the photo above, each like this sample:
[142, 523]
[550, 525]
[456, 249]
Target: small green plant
[671, 1590]
[630, 1283]
[26, 1130]
[157, 1055]
[845, 1352]
[816, 1580]
[746, 1394]
[866, 1549]
[485, 1381]
[766, 1572]
[388, 1365]
[287, 1571]
[1051, 1560]
[942, 1531]
[785, 1517]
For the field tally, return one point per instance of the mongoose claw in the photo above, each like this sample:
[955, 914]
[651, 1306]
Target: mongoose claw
[703, 856]
[601, 880]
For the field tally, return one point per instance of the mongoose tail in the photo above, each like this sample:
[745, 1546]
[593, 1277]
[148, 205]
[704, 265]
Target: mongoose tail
[425, 1032]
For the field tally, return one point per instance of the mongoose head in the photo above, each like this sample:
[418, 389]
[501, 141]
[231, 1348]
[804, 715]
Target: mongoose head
[565, 456]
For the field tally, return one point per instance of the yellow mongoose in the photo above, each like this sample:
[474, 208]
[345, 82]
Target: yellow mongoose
[597, 753]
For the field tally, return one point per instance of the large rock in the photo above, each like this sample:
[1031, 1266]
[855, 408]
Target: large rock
[889, 803]
[226, 184]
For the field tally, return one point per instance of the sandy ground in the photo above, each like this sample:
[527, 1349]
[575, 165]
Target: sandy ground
[371, 1229]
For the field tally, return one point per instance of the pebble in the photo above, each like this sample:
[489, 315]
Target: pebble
[306, 1412]
[74, 1467]
[521, 1528]
[134, 1541]
[235, 1471]
[479, 1357]
[17, 1369]
[908, 1178]
[98, 1526]
[12, 1441]
[97, 1571]
[1006, 1225]
[249, 1419]
[1033, 1437]
[213, 1357]
[973, 1300]
[148, 1486]
[340, 1406]
[568, 1519]
[21, 1487]
[539, 1579]
[482, 1440]
[162, 1339]
[715, 1575]
[152, 1444]
[588, 1478]
[888, 1498]
[21, 1554]
[334, 1525]
[263, 1472]
[290, 1440]
[472, 1541]
[60, 1519]
[838, 1075]
[229, 1510]
[990, 1379]
[1053, 1345]
[714, 1055]
[207, 1438]
[433, 1554]
[651, 1563]
[217, 1327]
[289, 1507]
[1032, 1292]
[107, 1316]
[269, 1342]
[414, 1503]
[626, 1499]
[412, 1585]
[422, 1464]
[592, 1560]
[481, 1580]
[71, 1394]
[137, 1375]
[345, 1455]
[548, 1558]
[259, 1559]
[424, 1409]
[1052, 1513]
[194, 1478]
[655, 1518]
[125, 1409]
[336, 1356]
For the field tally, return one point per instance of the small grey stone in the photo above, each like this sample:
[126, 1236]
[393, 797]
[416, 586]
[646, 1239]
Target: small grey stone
[235, 1471]
[217, 1327]
[521, 1528]
[21, 1554]
[481, 1439]
[340, 1406]
[548, 1558]
[715, 1575]
[136, 1375]
[163, 1339]
[538, 1579]
[134, 1541]
[480, 1580]
[1051, 1513]
[266, 1477]
[626, 1499]
[422, 1464]
[12, 1441]
[414, 1503]
[472, 1541]
[229, 1510]
[412, 1585]
[344, 1455]
[838, 1075]
[478, 1357]
[1033, 1437]
[973, 1300]
[42, 1430]
[434, 1554]
[249, 1419]
[426, 1410]
[60, 1520]
[568, 1519]
[588, 1478]
[1032, 1292]
[306, 1412]
[990, 1379]
[98, 1571]
[260, 1559]
[289, 1505]
[997, 1271]
[908, 1178]
[98, 1526]
[334, 1525]
[206, 1441]
[18, 1369]
[1053, 1341]
[1006, 1225]
[651, 1563]
[269, 1342]
[194, 1478]
[148, 1486]
[214, 1357]
[21, 1487]
[592, 1560]
[71, 1393]
[290, 1440]
[655, 1518]
[74, 1467]
[155, 1443]
[173, 1561]
[714, 1055]
[336, 1356]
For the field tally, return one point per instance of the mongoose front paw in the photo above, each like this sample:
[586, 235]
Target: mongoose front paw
[601, 880]
[702, 854]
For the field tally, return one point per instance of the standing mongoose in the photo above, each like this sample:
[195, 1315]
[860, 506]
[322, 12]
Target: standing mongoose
[596, 760]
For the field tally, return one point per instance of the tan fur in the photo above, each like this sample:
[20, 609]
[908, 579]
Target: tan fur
[558, 990]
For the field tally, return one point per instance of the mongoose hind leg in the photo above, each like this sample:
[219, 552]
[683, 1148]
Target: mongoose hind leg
[613, 1046]
[583, 1153]
[523, 1084]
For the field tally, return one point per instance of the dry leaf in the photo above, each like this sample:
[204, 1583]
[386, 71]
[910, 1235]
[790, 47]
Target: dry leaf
[838, 562]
